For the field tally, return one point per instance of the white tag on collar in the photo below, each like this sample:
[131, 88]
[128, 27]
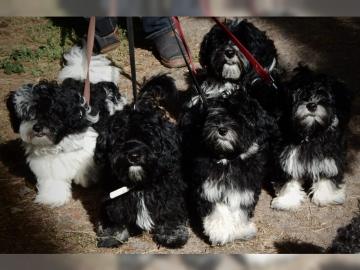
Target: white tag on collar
[121, 191]
[223, 161]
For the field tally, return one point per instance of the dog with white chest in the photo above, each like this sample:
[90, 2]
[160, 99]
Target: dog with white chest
[314, 134]
[59, 130]
[226, 146]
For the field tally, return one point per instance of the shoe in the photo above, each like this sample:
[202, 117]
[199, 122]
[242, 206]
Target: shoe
[104, 44]
[168, 50]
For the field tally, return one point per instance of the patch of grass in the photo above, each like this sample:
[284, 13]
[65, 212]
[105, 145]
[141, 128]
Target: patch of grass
[43, 42]
[123, 48]
[10, 67]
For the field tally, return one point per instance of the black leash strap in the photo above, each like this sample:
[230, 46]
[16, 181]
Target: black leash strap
[193, 78]
[130, 29]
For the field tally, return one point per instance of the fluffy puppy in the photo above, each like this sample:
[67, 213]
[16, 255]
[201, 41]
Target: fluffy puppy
[314, 150]
[226, 146]
[143, 159]
[58, 128]
[226, 69]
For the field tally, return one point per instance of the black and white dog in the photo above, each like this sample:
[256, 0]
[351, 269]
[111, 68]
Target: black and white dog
[141, 152]
[226, 146]
[226, 69]
[57, 127]
[314, 150]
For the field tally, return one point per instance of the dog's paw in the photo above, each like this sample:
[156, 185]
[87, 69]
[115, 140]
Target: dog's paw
[325, 192]
[171, 237]
[287, 202]
[247, 232]
[220, 235]
[111, 237]
[53, 194]
[290, 197]
[51, 201]
[221, 225]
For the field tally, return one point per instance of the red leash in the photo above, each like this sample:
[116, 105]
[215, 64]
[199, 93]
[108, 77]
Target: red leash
[260, 70]
[178, 32]
[182, 37]
[89, 50]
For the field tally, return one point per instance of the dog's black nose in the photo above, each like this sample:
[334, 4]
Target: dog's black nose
[229, 53]
[222, 131]
[133, 158]
[37, 128]
[311, 106]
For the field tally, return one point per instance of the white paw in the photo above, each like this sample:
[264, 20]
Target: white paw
[290, 201]
[53, 194]
[51, 201]
[220, 235]
[325, 192]
[290, 197]
[219, 225]
[247, 232]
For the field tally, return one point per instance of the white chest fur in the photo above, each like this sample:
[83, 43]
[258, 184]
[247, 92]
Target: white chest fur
[71, 159]
[218, 193]
[143, 219]
[297, 168]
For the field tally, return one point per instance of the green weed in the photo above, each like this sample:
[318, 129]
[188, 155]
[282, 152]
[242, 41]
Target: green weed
[48, 43]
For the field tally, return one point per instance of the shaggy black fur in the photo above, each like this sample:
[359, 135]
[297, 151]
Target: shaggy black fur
[217, 51]
[347, 239]
[315, 121]
[140, 150]
[218, 144]
[60, 110]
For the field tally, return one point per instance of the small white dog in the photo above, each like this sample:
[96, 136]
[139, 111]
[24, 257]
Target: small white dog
[59, 130]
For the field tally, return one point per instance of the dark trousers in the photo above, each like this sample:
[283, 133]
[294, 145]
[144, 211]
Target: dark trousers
[152, 26]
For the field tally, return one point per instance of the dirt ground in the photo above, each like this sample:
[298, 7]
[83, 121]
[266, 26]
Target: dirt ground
[327, 44]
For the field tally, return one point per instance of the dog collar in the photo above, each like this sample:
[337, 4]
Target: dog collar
[119, 192]
[253, 149]
[223, 161]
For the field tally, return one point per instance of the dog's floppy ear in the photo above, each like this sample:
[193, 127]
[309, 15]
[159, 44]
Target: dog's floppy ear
[19, 105]
[14, 118]
[100, 155]
[204, 54]
[343, 97]
[112, 131]
[302, 76]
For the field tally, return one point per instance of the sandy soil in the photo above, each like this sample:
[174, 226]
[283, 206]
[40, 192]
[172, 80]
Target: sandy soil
[330, 45]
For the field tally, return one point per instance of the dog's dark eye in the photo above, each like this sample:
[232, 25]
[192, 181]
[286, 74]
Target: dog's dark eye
[322, 93]
[301, 95]
[32, 113]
